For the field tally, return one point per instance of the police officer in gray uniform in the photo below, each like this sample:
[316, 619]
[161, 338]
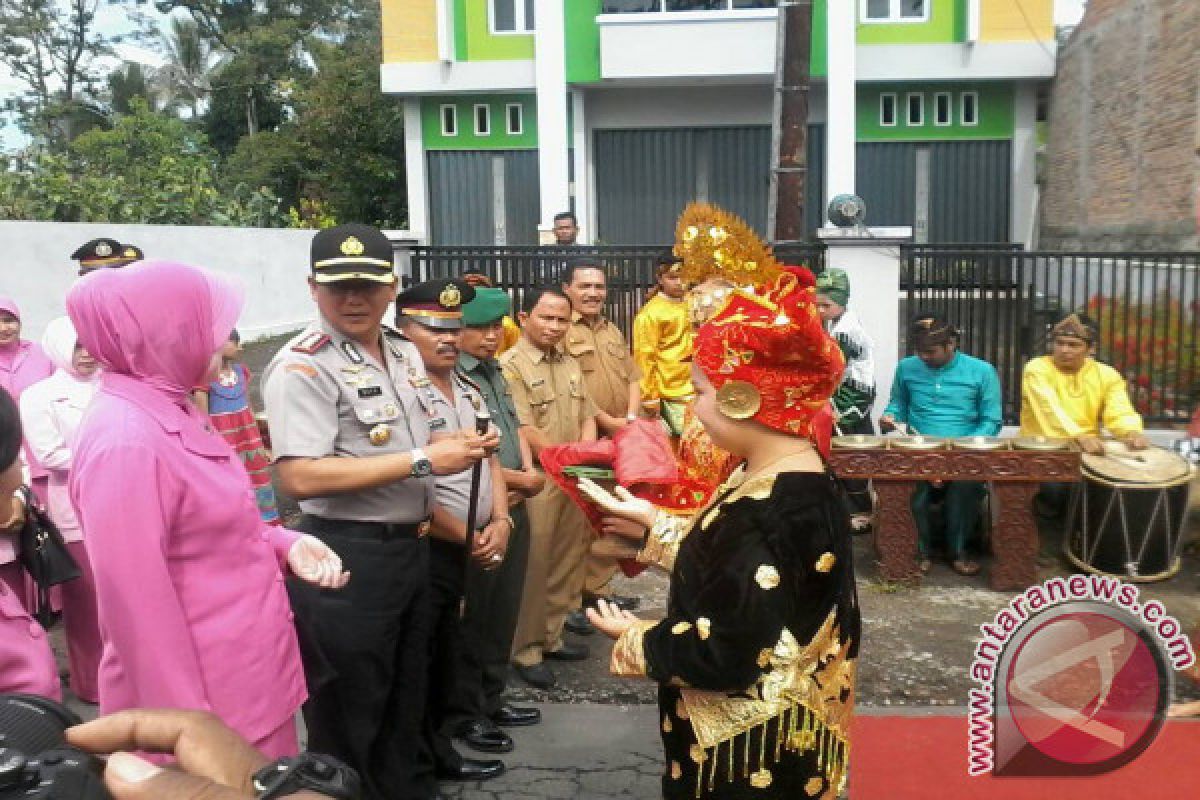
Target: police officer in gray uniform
[429, 315]
[352, 444]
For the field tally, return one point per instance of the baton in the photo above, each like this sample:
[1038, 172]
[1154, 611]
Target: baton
[482, 421]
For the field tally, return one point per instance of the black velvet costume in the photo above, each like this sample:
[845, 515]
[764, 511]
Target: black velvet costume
[756, 658]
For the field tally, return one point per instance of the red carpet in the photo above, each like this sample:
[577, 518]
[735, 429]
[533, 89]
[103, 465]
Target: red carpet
[899, 757]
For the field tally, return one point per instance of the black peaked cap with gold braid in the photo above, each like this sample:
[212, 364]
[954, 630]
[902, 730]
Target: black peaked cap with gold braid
[435, 304]
[105, 252]
[352, 252]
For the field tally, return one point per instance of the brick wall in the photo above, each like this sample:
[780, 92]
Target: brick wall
[1122, 164]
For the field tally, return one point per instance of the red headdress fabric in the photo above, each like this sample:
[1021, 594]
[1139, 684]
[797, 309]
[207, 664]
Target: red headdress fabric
[774, 346]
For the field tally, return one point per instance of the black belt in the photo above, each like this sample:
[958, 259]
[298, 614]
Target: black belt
[374, 531]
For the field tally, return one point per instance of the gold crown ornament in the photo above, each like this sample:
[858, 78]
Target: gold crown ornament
[711, 242]
[352, 246]
[450, 296]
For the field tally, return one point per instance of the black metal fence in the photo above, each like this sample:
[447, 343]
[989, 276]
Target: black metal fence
[630, 269]
[1005, 299]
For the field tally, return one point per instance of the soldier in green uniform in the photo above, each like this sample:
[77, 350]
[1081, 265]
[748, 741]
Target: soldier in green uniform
[476, 706]
[351, 438]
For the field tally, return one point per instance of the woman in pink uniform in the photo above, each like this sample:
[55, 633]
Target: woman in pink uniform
[189, 579]
[22, 363]
[50, 414]
[26, 663]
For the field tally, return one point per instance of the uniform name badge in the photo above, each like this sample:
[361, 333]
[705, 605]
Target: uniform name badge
[380, 435]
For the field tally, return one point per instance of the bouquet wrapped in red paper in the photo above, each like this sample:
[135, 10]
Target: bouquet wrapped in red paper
[638, 457]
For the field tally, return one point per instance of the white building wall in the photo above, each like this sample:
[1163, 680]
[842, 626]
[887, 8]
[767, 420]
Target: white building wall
[272, 263]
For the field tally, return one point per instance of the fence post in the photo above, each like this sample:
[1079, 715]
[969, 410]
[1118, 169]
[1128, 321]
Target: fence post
[871, 258]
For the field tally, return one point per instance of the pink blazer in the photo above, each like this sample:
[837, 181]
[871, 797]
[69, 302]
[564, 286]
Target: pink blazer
[188, 578]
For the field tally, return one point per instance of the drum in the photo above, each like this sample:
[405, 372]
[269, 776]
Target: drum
[1127, 520]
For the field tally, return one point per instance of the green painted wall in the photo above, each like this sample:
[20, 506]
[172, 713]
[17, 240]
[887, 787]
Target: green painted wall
[582, 40]
[431, 124]
[947, 23]
[473, 41]
[996, 119]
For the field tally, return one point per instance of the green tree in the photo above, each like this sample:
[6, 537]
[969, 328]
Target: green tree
[127, 83]
[51, 47]
[149, 168]
[186, 77]
[353, 136]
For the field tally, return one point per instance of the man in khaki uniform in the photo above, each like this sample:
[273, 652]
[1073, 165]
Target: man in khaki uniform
[613, 381]
[551, 399]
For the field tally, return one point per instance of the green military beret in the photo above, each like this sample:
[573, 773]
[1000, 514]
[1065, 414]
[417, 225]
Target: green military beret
[488, 306]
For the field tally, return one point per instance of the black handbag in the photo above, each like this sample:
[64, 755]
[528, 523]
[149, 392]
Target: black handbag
[45, 557]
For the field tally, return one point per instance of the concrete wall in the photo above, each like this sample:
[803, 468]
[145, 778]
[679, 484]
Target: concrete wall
[273, 264]
[1122, 162]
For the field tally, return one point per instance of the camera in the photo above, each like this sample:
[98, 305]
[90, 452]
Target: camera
[36, 763]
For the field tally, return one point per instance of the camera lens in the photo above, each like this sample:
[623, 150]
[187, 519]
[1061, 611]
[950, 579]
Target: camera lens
[30, 724]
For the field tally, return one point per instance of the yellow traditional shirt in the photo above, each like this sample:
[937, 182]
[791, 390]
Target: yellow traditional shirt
[512, 333]
[663, 341]
[1059, 405]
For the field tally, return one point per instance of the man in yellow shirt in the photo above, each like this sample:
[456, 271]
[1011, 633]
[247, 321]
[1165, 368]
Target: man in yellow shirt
[1069, 395]
[662, 347]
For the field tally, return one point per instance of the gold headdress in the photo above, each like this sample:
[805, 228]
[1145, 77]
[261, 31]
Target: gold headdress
[713, 243]
[1072, 325]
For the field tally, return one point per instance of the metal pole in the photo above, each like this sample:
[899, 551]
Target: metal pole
[789, 125]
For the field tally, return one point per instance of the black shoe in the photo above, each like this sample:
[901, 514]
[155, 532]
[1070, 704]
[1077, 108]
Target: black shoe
[472, 770]
[578, 624]
[539, 676]
[623, 602]
[515, 717]
[484, 736]
[568, 652]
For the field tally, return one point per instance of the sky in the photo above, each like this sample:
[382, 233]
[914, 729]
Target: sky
[113, 20]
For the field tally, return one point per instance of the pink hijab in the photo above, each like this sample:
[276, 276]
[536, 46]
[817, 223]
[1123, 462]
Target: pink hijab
[155, 321]
[8, 353]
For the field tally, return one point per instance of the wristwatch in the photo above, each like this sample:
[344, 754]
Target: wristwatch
[308, 771]
[421, 465]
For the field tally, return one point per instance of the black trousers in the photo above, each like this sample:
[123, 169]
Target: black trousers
[446, 565]
[366, 652]
[493, 601]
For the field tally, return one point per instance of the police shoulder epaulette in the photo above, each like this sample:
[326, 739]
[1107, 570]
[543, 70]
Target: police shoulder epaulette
[311, 342]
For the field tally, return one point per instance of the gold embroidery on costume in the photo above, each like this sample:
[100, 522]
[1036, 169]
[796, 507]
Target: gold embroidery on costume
[662, 543]
[826, 562]
[703, 627]
[666, 724]
[628, 657]
[764, 658]
[676, 770]
[813, 786]
[761, 779]
[697, 754]
[681, 627]
[681, 709]
[767, 577]
[808, 695]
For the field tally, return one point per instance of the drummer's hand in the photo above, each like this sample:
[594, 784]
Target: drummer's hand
[609, 619]
[623, 504]
[887, 423]
[1092, 445]
[1136, 441]
[625, 528]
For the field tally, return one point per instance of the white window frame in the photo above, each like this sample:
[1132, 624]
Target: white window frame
[893, 17]
[908, 120]
[883, 123]
[521, 26]
[662, 9]
[948, 97]
[519, 128]
[962, 109]
[442, 119]
[486, 128]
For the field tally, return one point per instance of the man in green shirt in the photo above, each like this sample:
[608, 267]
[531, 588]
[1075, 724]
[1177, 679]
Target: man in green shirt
[493, 597]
